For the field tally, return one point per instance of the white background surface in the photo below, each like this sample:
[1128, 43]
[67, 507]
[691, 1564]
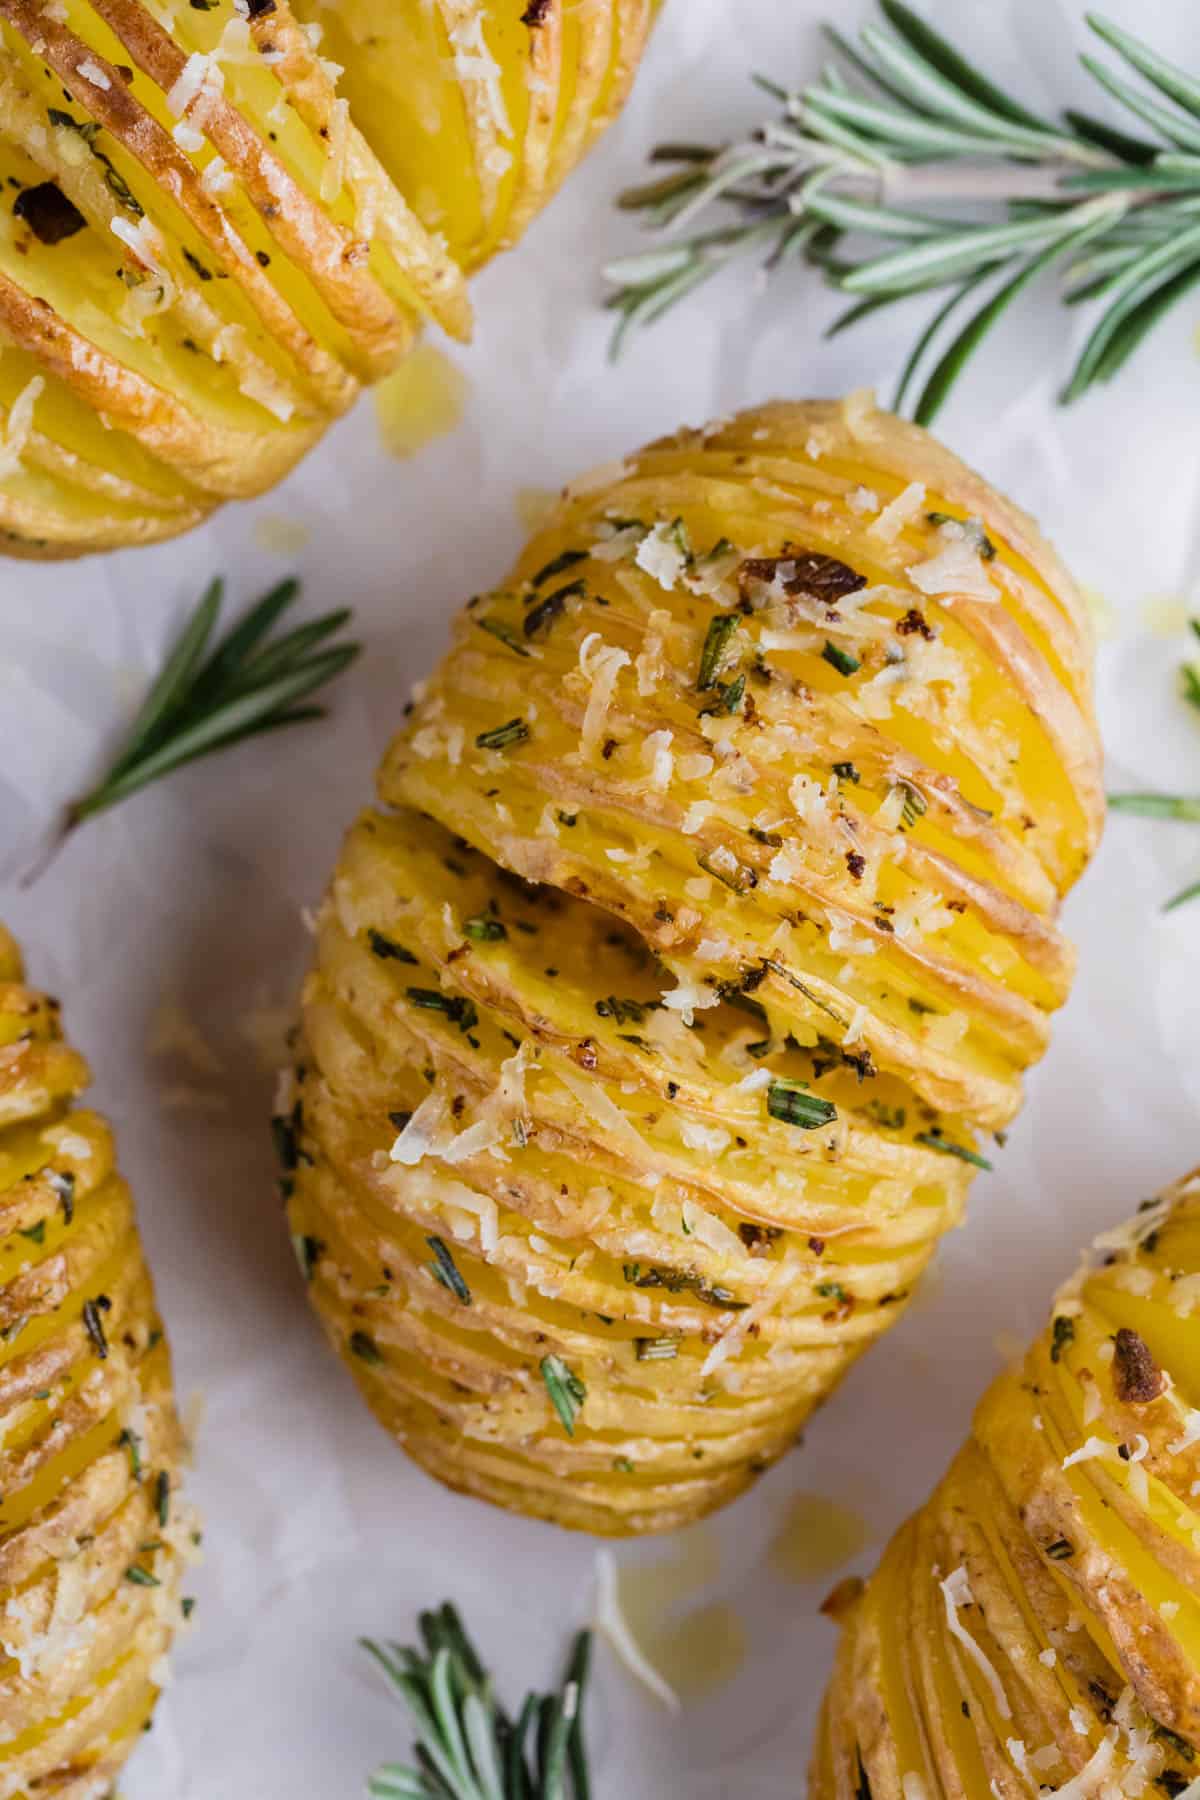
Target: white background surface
[318, 1529]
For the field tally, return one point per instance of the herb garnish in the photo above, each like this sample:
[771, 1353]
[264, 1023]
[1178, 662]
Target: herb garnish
[788, 1100]
[716, 645]
[567, 1393]
[841, 660]
[201, 703]
[309, 1251]
[852, 161]
[468, 1747]
[933, 1140]
[485, 929]
[547, 610]
[1062, 1335]
[456, 1007]
[446, 1270]
[1182, 807]
[363, 1345]
[558, 565]
[93, 1325]
[387, 948]
[683, 1281]
[498, 629]
[501, 736]
[141, 1577]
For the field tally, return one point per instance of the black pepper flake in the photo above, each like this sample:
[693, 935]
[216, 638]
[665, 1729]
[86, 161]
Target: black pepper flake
[50, 216]
[259, 9]
[856, 863]
[536, 13]
[759, 1238]
[913, 623]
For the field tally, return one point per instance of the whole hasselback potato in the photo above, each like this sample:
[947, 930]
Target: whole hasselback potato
[1036, 1627]
[225, 216]
[708, 920]
[94, 1538]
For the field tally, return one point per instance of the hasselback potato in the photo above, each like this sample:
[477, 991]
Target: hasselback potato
[216, 232]
[1037, 1625]
[93, 1536]
[707, 920]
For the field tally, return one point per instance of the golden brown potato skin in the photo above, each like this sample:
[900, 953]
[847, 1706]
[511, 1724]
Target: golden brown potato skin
[708, 917]
[1039, 1621]
[93, 1537]
[222, 223]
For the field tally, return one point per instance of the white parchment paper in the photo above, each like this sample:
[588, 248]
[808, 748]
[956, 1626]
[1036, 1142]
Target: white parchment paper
[172, 931]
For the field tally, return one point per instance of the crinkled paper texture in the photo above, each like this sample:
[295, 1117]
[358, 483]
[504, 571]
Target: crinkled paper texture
[186, 903]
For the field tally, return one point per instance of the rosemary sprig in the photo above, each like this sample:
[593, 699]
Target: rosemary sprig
[1181, 807]
[904, 170]
[468, 1747]
[209, 696]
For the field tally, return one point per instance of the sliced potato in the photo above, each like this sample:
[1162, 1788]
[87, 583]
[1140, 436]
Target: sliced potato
[708, 918]
[1039, 1621]
[221, 226]
[94, 1537]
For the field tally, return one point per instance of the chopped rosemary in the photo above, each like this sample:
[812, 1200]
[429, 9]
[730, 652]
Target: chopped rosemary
[162, 1497]
[485, 928]
[933, 1140]
[498, 629]
[446, 1270]
[93, 1325]
[976, 536]
[209, 696]
[457, 1008]
[730, 695]
[683, 1281]
[35, 1233]
[387, 949]
[363, 1345]
[500, 737]
[468, 1746]
[130, 1441]
[915, 805]
[140, 1577]
[841, 660]
[558, 565]
[716, 646]
[567, 1393]
[63, 1183]
[309, 1251]
[1063, 1334]
[788, 1100]
[547, 610]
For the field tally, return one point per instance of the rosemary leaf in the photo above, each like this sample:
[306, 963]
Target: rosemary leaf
[567, 1393]
[1157, 806]
[467, 1746]
[209, 697]
[905, 169]
[788, 1101]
